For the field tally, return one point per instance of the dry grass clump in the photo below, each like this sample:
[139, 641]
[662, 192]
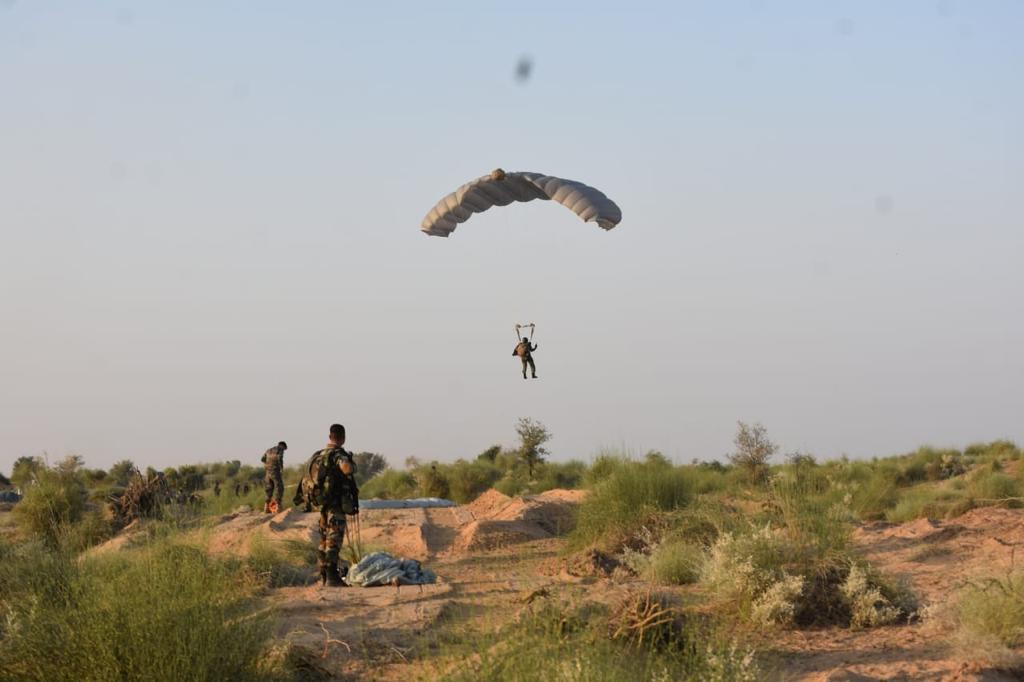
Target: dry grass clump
[986, 619]
[163, 612]
[644, 637]
[644, 618]
[625, 497]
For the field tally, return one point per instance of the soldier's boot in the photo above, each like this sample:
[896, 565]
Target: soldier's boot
[333, 577]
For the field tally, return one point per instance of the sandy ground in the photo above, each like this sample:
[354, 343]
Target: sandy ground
[492, 554]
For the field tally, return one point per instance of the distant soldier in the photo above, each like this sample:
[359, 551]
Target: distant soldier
[524, 349]
[245, 488]
[238, 488]
[333, 476]
[216, 488]
[273, 460]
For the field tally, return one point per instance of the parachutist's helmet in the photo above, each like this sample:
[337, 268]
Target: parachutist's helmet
[526, 340]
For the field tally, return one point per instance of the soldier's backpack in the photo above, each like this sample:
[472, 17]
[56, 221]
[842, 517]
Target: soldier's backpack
[323, 482]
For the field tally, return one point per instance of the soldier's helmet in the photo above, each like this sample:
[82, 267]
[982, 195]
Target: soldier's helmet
[526, 340]
[282, 446]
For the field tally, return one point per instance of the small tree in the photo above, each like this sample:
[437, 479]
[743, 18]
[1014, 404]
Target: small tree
[49, 507]
[368, 465]
[432, 482]
[121, 472]
[70, 464]
[532, 436]
[753, 449]
[24, 470]
[490, 454]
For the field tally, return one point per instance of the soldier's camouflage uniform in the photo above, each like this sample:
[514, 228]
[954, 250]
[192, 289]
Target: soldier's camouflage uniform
[273, 483]
[339, 496]
[524, 350]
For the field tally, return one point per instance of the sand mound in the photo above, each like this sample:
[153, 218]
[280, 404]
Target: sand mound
[552, 514]
[562, 495]
[490, 534]
[500, 521]
[937, 557]
[488, 504]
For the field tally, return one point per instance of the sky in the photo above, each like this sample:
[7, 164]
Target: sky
[209, 226]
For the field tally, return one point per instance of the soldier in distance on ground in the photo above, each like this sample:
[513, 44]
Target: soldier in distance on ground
[329, 481]
[524, 349]
[273, 483]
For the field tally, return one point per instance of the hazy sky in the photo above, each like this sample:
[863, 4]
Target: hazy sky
[209, 226]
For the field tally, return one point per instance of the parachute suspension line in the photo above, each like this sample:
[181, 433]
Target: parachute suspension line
[532, 327]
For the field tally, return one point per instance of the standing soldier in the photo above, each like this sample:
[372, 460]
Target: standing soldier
[524, 350]
[238, 488]
[273, 460]
[216, 488]
[335, 486]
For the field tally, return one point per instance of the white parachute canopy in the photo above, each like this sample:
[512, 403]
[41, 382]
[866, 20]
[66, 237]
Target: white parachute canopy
[501, 189]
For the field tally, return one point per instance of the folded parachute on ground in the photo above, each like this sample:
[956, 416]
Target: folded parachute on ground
[380, 568]
[501, 189]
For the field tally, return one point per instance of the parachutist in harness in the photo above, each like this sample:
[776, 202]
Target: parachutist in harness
[525, 348]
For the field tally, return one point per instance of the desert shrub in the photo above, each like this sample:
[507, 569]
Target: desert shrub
[809, 512]
[391, 484]
[490, 454]
[872, 497]
[467, 480]
[121, 472]
[604, 465]
[987, 618]
[709, 479]
[91, 530]
[552, 475]
[873, 601]
[914, 504]
[997, 449]
[53, 501]
[748, 571]
[567, 641]
[431, 481]
[24, 470]
[165, 612]
[767, 579]
[990, 486]
[511, 486]
[676, 563]
[621, 501]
